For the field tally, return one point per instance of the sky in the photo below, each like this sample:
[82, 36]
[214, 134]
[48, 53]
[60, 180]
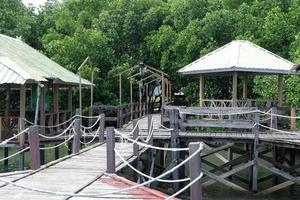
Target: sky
[35, 3]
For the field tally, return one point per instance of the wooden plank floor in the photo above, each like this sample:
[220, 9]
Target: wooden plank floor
[69, 175]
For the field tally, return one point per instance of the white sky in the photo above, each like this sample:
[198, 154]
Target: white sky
[36, 3]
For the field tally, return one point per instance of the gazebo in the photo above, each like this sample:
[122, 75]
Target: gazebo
[32, 78]
[239, 58]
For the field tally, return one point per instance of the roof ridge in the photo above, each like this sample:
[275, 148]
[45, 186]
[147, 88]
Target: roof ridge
[12, 38]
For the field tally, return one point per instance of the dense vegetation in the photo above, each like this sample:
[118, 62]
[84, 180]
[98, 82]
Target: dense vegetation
[165, 34]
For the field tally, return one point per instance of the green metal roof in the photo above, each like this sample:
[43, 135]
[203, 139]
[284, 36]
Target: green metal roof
[20, 63]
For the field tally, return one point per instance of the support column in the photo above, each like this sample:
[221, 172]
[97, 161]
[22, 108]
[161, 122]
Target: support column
[42, 108]
[245, 86]
[22, 124]
[120, 89]
[56, 102]
[234, 89]
[293, 118]
[7, 101]
[201, 90]
[131, 100]
[280, 90]
[162, 91]
[70, 99]
[92, 88]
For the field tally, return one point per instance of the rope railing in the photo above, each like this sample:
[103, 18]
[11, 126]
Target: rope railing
[15, 136]
[150, 146]
[12, 155]
[278, 130]
[59, 135]
[279, 115]
[95, 195]
[58, 145]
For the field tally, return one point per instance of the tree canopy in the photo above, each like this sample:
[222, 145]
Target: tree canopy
[165, 34]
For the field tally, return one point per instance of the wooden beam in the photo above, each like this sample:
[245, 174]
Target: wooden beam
[201, 90]
[92, 88]
[234, 89]
[276, 187]
[293, 118]
[280, 90]
[162, 91]
[222, 158]
[215, 150]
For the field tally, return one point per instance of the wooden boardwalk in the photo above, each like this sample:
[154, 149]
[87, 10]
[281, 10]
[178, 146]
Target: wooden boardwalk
[70, 175]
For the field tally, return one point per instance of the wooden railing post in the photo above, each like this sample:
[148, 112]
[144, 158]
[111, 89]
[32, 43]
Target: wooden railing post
[110, 150]
[174, 144]
[102, 128]
[293, 118]
[255, 152]
[195, 170]
[34, 144]
[135, 136]
[150, 129]
[274, 119]
[77, 134]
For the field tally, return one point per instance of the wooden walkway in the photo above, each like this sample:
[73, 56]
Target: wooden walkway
[70, 174]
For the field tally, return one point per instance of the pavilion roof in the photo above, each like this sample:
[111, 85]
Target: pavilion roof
[20, 64]
[240, 56]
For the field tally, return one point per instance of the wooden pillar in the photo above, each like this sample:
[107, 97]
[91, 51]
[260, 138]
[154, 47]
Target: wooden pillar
[201, 90]
[34, 144]
[77, 135]
[174, 144]
[42, 107]
[7, 100]
[135, 136]
[195, 170]
[92, 88]
[170, 85]
[255, 153]
[131, 100]
[70, 99]
[280, 90]
[234, 89]
[110, 152]
[245, 86]
[120, 89]
[56, 102]
[22, 113]
[293, 118]
[162, 91]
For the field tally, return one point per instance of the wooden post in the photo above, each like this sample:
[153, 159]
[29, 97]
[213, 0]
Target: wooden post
[120, 89]
[131, 100]
[162, 90]
[110, 150]
[280, 90]
[201, 90]
[293, 118]
[34, 144]
[170, 91]
[174, 144]
[92, 88]
[234, 89]
[195, 170]
[7, 100]
[135, 136]
[22, 114]
[150, 128]
[77, 134]
[140, 99]
[273, 147]
[230, 157]
[70, 99]
[42, 108]
[56, 102]
[102, 128]
[255, 152]
[121, 116]
[274, 119]
[245, 86]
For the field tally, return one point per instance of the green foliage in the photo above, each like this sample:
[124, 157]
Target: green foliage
[166, 34]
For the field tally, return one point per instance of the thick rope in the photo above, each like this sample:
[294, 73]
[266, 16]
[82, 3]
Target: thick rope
[57, 136]
[6, 158]
[186, 187]
[150, 146]
[53, 147]
[34, 189]
[51, 126]
[145, 175]
[277, 130]
[13, 137]
[282, 116]
[92, 126]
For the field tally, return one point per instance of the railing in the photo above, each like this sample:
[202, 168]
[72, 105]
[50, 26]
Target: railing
[9, 126]
[259, 103]
[121, 114]
[52, 119]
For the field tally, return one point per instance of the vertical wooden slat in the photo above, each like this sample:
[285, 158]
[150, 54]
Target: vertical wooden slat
[162, 90]
[42, 108]
[280, 90]
[56, 102]
[120, 89]
[110, 150]
[293, 118]
[22, 113]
